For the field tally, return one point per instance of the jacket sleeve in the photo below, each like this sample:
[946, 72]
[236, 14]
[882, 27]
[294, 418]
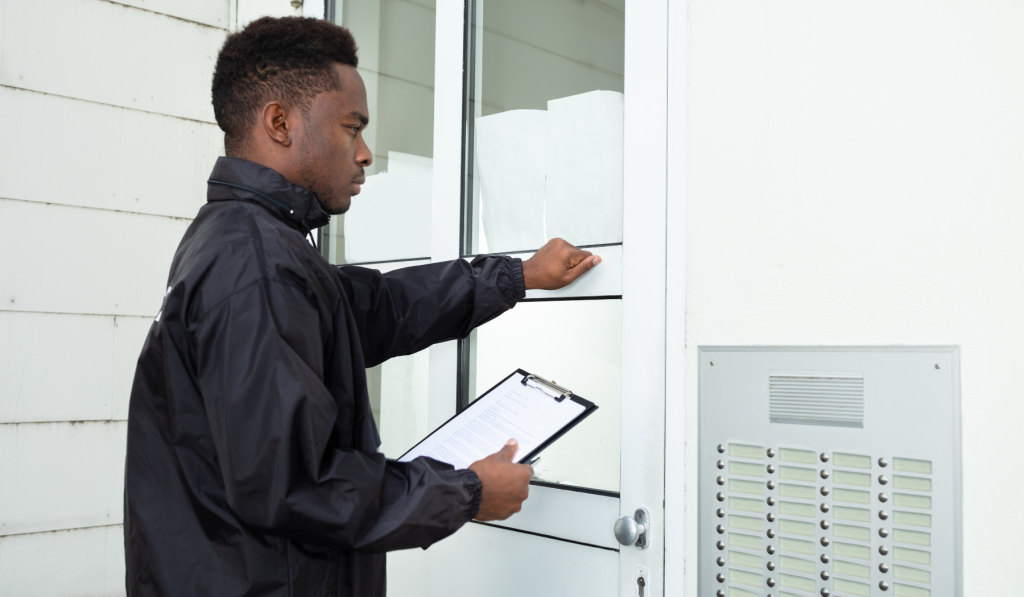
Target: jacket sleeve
[407, 310]
[260, 370]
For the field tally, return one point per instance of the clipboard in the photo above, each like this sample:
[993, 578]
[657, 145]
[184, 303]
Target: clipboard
[468, 436]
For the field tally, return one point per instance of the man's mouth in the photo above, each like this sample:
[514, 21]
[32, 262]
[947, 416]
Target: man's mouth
[359, 184]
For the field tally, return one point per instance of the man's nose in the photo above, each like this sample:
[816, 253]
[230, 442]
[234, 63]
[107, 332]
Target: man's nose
[364, 157]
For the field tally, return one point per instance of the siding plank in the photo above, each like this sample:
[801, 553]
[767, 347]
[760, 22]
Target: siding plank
[107, 157]
[56, 476]
[78, 563]
[208, 12]
[98, 262]
[122, 56]
[58, 367]
[55, 367]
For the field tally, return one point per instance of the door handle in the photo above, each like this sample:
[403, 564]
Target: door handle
[633, 531]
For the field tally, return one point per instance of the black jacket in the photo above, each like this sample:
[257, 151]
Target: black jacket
[252, 464]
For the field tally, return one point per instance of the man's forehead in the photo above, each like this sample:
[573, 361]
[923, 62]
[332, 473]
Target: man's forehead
[353, 92]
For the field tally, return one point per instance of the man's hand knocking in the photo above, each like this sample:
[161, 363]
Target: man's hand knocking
[556, 265]
[505, 485]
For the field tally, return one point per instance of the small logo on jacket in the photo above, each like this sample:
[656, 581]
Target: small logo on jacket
[161, 311]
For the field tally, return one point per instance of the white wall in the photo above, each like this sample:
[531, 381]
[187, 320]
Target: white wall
[104, 161]
[856, 176]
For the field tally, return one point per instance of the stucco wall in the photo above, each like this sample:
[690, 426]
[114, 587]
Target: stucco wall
[856, 177]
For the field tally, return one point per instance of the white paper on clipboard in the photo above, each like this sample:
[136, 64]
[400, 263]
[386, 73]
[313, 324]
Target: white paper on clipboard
[512, 410]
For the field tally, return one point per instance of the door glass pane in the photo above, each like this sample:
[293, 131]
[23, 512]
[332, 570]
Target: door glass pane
[579, 344]
[544, 126]
[396, 62]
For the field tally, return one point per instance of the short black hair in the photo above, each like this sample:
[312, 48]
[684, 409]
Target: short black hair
[289, 59]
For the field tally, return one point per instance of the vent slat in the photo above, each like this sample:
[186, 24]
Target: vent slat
[831, 398]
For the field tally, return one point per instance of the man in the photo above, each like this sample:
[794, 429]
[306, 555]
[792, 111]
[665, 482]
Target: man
[252, 464]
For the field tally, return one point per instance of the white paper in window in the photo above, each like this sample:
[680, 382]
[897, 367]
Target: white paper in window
[585, 168]
[510, 162]
[390, 218]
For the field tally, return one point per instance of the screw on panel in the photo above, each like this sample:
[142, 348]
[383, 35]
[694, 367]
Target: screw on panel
[720, 496]
[720, 561]
[720, 480]
[720, 545]
[824, 457]
[771, 550]
[824, 524]
[720, 513]
[883, 514]
[771, 534]
[824, 575]
[770, 484]
[770, 517]
[721, 448]
[882, 462]
[720, 529]
[825, 541]
[770, 468]
[720, 464]
[882, 497]
[883, 479]
[824, 558]
[936, 366]
[825, 593]
[824, 491]
[770, 582]
[883, 533]
[824, 507]
[720, 577]
[771, 501]
[824, 474]
[771, 453]
[770, 566]
[883, 585]
[883, 568]
[883, 550]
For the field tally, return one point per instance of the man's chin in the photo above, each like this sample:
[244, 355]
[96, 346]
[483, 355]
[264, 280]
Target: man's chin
[337, 205]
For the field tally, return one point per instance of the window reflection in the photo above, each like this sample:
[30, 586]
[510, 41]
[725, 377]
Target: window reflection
[396, 61]
[545, 123]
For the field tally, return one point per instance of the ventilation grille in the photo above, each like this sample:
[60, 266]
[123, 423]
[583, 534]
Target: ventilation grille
[816, 398]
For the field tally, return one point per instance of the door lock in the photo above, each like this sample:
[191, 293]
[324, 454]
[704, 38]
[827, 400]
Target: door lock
[634, 531]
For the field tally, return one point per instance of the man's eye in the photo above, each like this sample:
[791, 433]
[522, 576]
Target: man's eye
[355, 129]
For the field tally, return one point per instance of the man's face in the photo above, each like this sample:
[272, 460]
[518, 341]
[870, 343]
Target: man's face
[333, 153]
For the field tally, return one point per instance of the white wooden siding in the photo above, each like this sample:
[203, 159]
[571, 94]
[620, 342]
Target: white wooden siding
[108, 53]
[56, 476]
[88, 260]
[214, 14]
[106, 157]
[58, 367]
[78, 563]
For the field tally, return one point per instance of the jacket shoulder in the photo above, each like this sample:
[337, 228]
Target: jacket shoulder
[230, 246]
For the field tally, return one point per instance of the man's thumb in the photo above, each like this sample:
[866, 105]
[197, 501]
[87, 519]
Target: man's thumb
[584, 266]
[508, 453]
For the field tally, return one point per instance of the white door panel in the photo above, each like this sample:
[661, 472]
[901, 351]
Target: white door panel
[567, 514]
[482, 561]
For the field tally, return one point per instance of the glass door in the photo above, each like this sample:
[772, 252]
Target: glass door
[515, 122]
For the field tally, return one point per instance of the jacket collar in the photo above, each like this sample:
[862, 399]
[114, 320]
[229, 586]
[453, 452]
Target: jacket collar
[238, 179]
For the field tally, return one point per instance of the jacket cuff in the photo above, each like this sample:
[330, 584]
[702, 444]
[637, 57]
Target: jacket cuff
[476, 494]
[518, 281]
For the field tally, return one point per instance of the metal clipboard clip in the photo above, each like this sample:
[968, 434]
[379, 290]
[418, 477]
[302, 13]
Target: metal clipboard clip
[562, 393]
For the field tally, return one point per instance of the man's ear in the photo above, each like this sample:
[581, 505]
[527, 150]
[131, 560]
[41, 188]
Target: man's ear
[276, 124]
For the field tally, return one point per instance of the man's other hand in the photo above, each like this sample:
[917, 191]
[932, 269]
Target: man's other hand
[506, 485]
[556, 265]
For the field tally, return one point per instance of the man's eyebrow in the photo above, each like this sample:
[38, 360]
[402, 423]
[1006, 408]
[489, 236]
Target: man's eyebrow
[362, 117]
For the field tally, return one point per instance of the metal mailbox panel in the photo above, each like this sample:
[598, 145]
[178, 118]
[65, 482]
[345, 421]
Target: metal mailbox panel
[829, 471]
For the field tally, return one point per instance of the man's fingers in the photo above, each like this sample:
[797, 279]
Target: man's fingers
[583, 267]
[508, 453]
